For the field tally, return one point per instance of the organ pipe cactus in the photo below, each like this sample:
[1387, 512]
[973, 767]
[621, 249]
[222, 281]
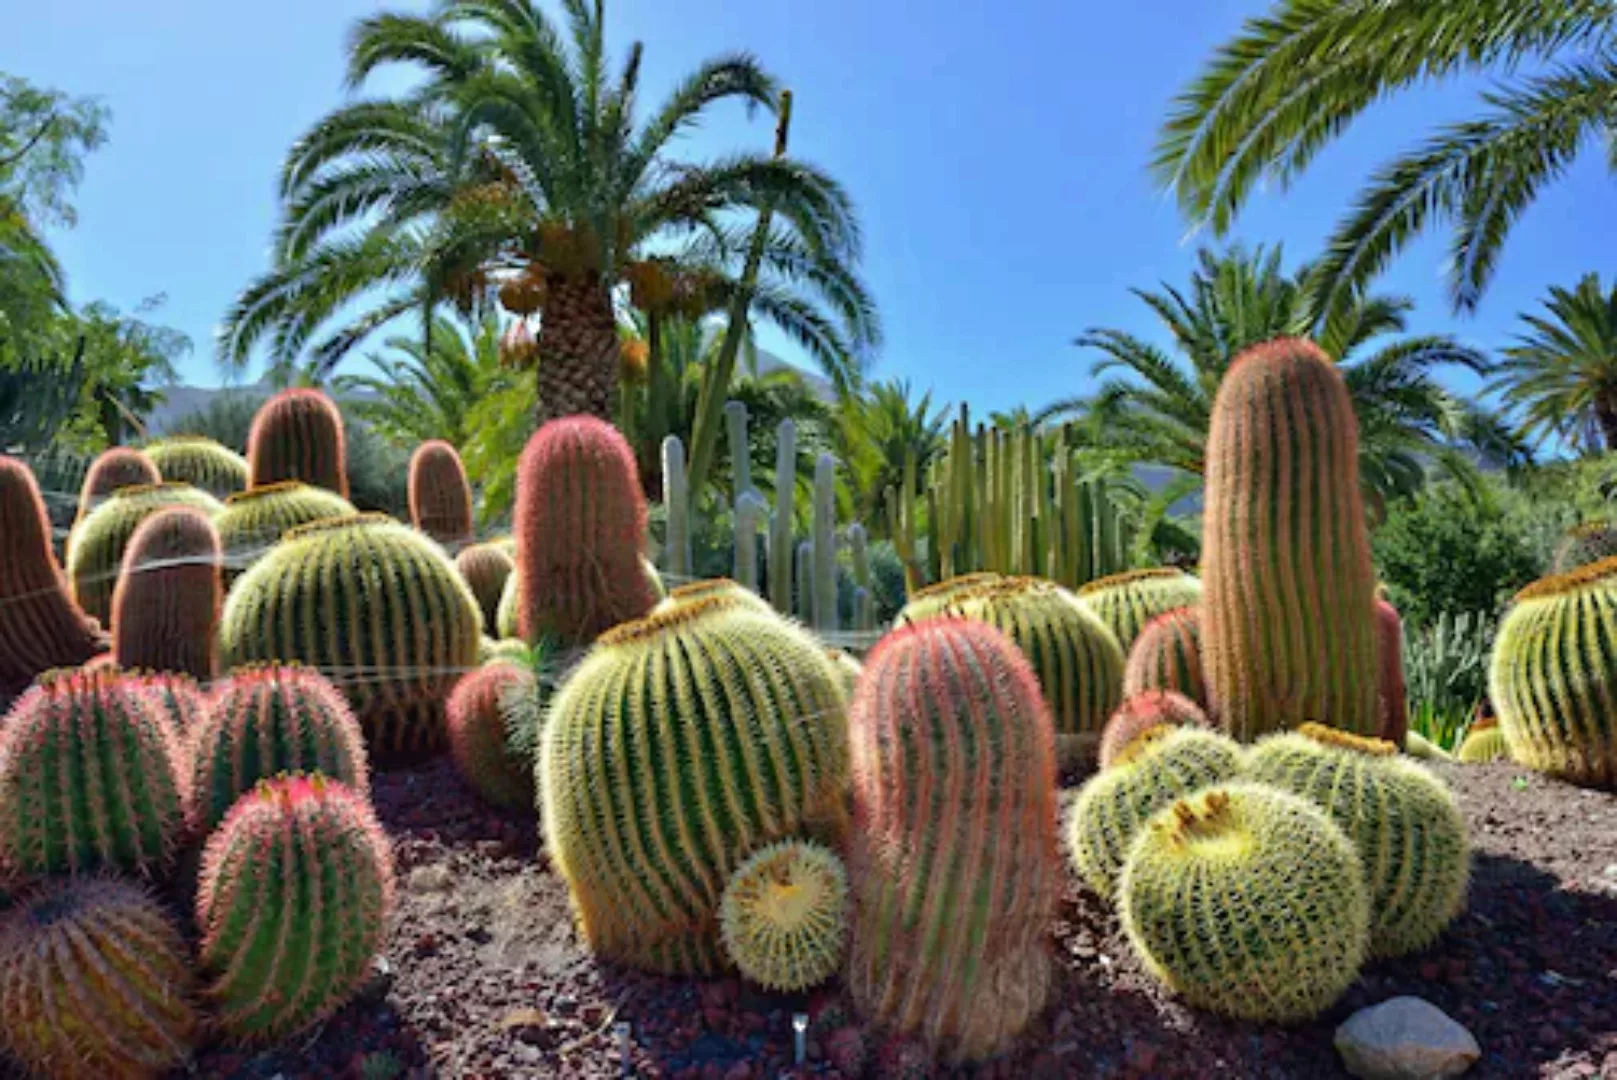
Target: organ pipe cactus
[1126, 602]
[440, 495]
[477, 734]
[781, 551]
[486, 568]
[784, 916]
[681, 743]
[298, 435]
[96, 548]
[824, 586]
[112, 470]
[954, 862]
[1288, 631]
[1140, 713]
[750, 511]
[254, 521]
[165, 610]
[1167, 656]
[202, 463]
[677, 502]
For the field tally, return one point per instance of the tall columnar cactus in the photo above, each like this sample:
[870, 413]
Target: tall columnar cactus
[677, 505]
[298, 435]
[292, 902]
[1288, 632]
[265, 720]
[580, 527]
[1553, 677]
[1586, 543]
[1157, 767]
[373, 605]
[254, 521]
[1168, 656]
[681, 743]
[40, 626]
[781, 551]
[114, 469]
[95, 982]
[486, 568]
[864, 600]
[1390, 692]
[1127, 601]
[784, 916]
[924, 603]
[91, 777]
[954, 859]
[1075, 656]
[750, 511]
[805, 582]
[477, 734]
[96, 548]
[440, 494]
[1248, 902]
[1406, 825]
[1140, 713]
[735, 426]
[165, 610]
[200, 462]
[825, 543]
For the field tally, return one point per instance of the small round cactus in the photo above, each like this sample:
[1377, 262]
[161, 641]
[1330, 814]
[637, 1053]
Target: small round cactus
[440, 494]
[486, 568]
[936, 599]
[95, 982]
[1142, 712]
[254, 521]
[1126, 602]
[298, 435]
[113, 470]
[165, 610]
[784, 916]
[1485, 742]
[292, 902]
[1157, 767]
[97, 546]
[200, 462]
[1167, 655]
[477, 735]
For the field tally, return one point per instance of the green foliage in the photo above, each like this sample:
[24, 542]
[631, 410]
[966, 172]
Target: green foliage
[1446, 675]
[1561, 376]
[878, 430]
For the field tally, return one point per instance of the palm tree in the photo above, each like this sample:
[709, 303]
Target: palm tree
[878, 431]
[1295, 79]
[428, 390]
[517, 164]
[1160, 410]
[31, 285]
[1562, 375]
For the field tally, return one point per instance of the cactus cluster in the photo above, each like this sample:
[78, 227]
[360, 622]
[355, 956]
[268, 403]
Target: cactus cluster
[292, 902]
[784, 916]
[1140, 713]
[681, 743]
[955, 861]
[486, 568]
[113, 470]
[298, 435]
[165, 608]
[1126, 602]
[98, 544]
[440, 495]
[1167, 655]
[477, 734]
[200, 462]
[254, 521]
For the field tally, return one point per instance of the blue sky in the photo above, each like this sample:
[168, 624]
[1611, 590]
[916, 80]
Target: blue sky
[997, 152]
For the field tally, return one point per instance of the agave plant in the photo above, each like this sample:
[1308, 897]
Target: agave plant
[1446, 675]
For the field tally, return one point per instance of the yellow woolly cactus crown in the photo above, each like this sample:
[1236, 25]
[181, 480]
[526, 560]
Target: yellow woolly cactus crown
[1143, 742]
[280, 487]
[1562, 584]
[1128, 577]
[665, 620]
[783, 917]
[1343, 740]
[337, 524]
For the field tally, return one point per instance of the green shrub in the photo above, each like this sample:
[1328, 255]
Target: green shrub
[1446, 675]
[1446, 552]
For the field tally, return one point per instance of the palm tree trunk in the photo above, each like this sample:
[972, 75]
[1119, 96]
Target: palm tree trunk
[578, 349]
[656, 407]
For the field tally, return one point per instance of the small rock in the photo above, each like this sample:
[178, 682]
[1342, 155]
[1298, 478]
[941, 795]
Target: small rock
[1142, 1057]
[1405, 1038]
[426, 945]
[434, 878]
[592, 1014]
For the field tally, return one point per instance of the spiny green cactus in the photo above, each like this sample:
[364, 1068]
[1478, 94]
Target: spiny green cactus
[505, 617]
[1157, 767]
[292, 902]
[267, 720]
[849, 667]
[95, 982]
[1589, 542]
[1247, 901]
[477, 735]
[679, 744]
[1553, 676]
[1168, 656]
[91, 777]
[1421, 748]
[440, 494]
[373, 605]
[486, 568]
[1288, 632]
[936, 599]
[697, 591]
[1406, 825]
[298, 435]
[1140, 713]
[200, 462]
[784, 916]
[254, 521]
[112, 470]
[1127, 601]
[1483, 744]
[955, 865]
[96, 547]
[165, 610]
[178, 697]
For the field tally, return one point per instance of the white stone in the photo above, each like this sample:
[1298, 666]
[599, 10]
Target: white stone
[1405, 1038]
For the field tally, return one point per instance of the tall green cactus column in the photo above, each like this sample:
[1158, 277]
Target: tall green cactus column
[1288, 628]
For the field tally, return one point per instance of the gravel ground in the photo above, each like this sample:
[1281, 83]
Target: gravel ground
[485, 977]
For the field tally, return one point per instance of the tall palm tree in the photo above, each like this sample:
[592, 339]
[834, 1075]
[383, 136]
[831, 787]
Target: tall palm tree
[31, 285]
[517, 165]
[1293, 80]
[878, 430]
[429, 389]
[1561, 376]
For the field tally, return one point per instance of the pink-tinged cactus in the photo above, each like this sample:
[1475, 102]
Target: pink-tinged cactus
[40, 626]
[954, 858]
[477, 735]
[440, 494]
[178, 697]
[1140, 713]
[165, 610]
[1394, 726]
[1168, 656]
[1288, 631]
[119, 467]
[580, 526]
[293, 902]
[298, 435]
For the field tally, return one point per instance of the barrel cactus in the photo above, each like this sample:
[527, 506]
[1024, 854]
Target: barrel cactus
[1248, 902]
[1421, 748]
[1390, 692]
[477, 735]
[165, 610]
[1589, 542]
[848, 666]
[91, 777]
[113, 470]
[266, 720]
[298, 435]
[95, 982]
[681, 743]
[97, 546]
[955, 862]
[179, 698]
[376, 607]
[1404, 822]
[1140, 713]
[1126, 602]
[40, 626]
[1167, 655]
[440, 494]
[702, 590]
[936, 599]
[292, 903]
[1553, 679]
[1288, 630]
[784, 916]
[486, 568]
[200, 462]
[254, 521]
[1485, 742]
[1157, 767]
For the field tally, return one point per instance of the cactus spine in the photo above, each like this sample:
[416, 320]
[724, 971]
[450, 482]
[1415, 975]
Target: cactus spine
[1168, 656]
[298, 435]
[1288, 629]
[440, 495]
[1553, 679]
[677, 504]
[780, 529]
[1247, 902]
[784, 916]
[254, 521]
[113, 470]
[202, 463]
[96, 549]
[292, 902]
[1126, 602]
[679, 744]
[165, 610]
[955, 861]
[95, 981]
[1390, 690]
[91, 777]
[477, 735]
[1140, 713]
[486, 568]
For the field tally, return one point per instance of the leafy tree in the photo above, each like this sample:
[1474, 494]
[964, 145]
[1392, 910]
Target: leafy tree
[1561, 376]
[878, 430]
